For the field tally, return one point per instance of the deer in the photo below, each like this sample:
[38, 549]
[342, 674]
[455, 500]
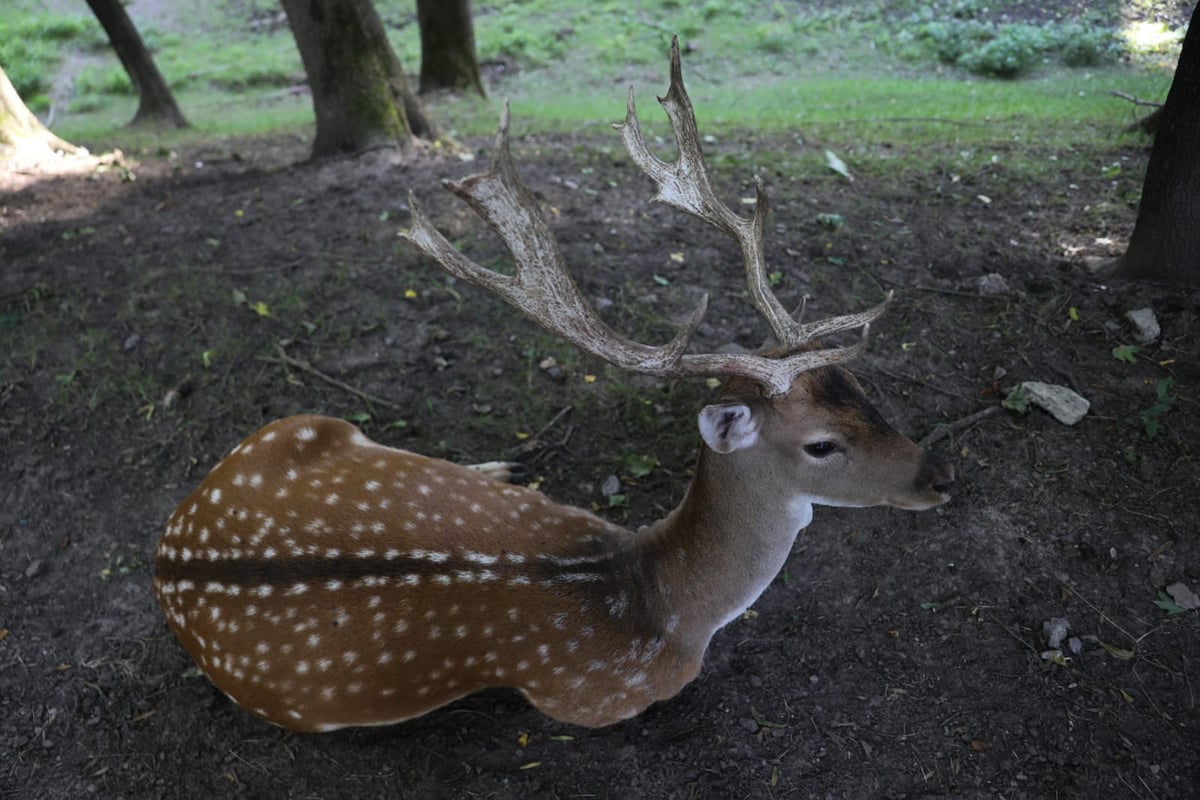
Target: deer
[322, 580]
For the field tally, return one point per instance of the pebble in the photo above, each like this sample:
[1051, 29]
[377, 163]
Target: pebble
[610, 486]
[1144, 324]
[993, 285]
[1055, 630]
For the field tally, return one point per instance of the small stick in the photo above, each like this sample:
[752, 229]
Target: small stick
[1136, 101]
[534, 441]
[942, 431]
[304, 366]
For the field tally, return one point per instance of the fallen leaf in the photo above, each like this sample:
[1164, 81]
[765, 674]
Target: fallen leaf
[837, 165]
[979, 745]
[523, 739]
[1168, 605]
[1117, 652]
[531, 765]
[145, 715]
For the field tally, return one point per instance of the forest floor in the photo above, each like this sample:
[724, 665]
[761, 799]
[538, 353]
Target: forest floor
[147, 325]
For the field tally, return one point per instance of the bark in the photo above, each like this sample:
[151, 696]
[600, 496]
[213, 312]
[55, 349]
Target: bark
[361, 97]
[19, 128]
[1165, 244]
[448, 46]
[156, 104]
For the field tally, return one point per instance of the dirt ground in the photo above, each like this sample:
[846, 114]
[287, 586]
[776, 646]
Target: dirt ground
[148, 325]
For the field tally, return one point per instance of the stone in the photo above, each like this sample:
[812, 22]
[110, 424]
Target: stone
[1144, 325]
[993, 285]
[1065, 405]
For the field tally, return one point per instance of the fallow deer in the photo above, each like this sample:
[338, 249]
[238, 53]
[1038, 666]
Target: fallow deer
[322, 580]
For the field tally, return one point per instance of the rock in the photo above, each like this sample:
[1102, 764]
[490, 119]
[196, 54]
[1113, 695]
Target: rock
[1144, 324]
[610, 486]
[1055, 630]
[993, 284]
[1183, 596]
[1062, 403]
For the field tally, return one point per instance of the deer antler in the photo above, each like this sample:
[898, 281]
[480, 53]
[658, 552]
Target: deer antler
[542, 288]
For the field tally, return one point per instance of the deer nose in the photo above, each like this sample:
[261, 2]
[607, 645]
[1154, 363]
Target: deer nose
[936, 473]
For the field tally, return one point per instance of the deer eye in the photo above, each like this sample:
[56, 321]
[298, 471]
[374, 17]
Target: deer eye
[820, 449]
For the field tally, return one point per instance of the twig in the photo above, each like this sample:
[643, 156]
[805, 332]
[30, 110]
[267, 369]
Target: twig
[1014, 635]
[901, 377]
[304, 366]
[275, 267]
[1136, 101]
[962, 123]
[940, 432]
[534, 441]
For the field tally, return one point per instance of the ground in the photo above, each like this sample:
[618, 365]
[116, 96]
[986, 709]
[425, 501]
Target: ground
[148, 325]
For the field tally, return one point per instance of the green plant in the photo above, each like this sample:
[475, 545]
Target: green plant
[1017, 401]
[107, 80]
[1079, 46]
[1126, 352]
[638, 465]
[1012, 50]
[1150, 419]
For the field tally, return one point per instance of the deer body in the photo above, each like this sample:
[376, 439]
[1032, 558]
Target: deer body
[322, 580]
[395, 583]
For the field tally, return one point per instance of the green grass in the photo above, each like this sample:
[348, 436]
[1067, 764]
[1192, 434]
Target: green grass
[859, 75]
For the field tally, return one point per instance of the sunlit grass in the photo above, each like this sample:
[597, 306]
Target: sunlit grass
[860, 76]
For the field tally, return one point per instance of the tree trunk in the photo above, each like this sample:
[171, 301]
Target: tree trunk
[361, 97]
[1165, 244]
[448, 46]
[156, 104]
[20, 129]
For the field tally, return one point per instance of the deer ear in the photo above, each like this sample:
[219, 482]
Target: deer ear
[728, 427]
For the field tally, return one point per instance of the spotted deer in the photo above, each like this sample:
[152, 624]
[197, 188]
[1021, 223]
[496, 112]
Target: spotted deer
[322, 580]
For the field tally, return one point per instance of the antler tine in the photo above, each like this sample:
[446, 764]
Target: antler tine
[684, 185]
[540, 286]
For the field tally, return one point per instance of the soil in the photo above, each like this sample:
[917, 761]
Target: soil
[149, 324]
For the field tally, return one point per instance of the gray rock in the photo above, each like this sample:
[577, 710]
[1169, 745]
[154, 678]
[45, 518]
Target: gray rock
[1144, 324]
[1055, 630]
[610, 486]
[993, 284]
[1063, 404]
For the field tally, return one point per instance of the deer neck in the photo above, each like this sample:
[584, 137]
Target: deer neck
[721, 547]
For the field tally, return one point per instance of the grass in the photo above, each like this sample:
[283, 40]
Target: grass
[858, 75]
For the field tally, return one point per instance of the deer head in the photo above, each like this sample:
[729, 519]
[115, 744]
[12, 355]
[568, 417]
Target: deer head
[322, 580]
